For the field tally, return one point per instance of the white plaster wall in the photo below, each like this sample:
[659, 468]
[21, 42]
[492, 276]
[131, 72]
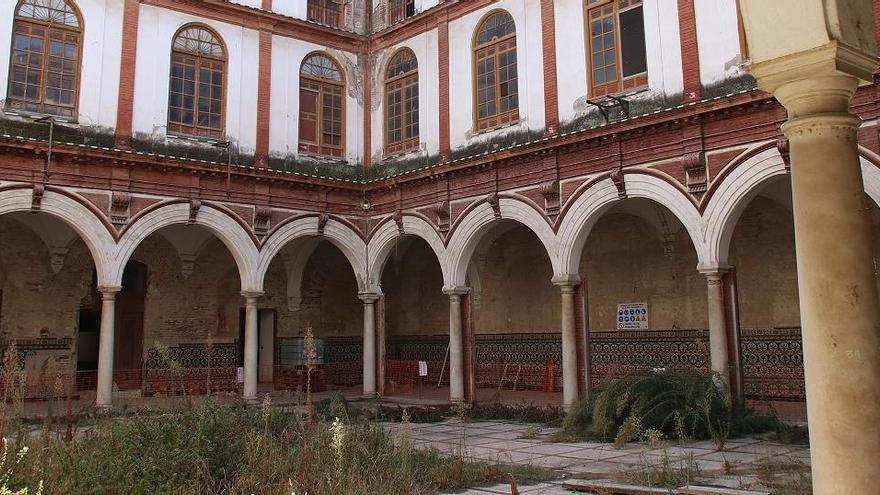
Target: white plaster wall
[292, 8]
[287, 57]
[155, 33]
[527, 16]
[663, 39]
[422, 5]
[571, 56]
[426, 49]
[718, 39]
[102, 43]
[257, 4]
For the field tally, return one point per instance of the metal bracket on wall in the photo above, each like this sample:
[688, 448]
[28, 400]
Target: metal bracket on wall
[608, 102]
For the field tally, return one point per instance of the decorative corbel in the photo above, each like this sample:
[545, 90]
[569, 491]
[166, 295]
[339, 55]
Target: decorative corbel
[398, 219]
[619, 183]
[493, 201]
[442, 211]
[550, 192]
[37, 197]
[696, 175]
[262, 215]
[322, 222]
[120, 202]
[785, 150]
[194, 206]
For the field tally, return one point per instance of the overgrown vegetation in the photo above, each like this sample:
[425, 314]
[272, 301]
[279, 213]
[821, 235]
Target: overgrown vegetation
[212, 448]
[665, 473]
[662, 406]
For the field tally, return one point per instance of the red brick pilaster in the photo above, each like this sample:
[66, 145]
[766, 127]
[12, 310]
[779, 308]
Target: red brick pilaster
[690, 52]
[443, 69]
[267, 5]
[125, 103]
[548, 44]
[877, 21]
[264, 87]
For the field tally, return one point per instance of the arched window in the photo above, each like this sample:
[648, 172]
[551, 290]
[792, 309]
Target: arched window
[197, 87]
[326, 12]
[497, 98]
[46, 53]
[321, 106]
[402, 103]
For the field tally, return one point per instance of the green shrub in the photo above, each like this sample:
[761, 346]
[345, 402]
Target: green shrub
[675, 406]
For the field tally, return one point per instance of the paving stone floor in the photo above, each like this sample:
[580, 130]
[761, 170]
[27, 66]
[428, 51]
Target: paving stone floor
[531, 444]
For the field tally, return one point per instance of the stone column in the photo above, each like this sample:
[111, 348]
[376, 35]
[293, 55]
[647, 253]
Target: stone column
[251, 344]
[456, 344]
[840, 311]
[369, 379]
[104, 392]
[718, 349]
[567, 285]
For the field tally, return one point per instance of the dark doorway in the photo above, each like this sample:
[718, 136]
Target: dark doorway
[265, 342]
[128, 336]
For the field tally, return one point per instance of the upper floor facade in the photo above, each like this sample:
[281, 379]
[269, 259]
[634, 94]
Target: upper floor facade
[335, 87]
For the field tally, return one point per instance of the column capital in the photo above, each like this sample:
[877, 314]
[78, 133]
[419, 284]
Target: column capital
[369, 297]
[452, 290]
[566, 280]
[816, 81]
[251, 296]
[109, 291]
[713, 270]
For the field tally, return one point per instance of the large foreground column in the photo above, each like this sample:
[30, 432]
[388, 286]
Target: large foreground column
[456, 344]
[567, 287]
[718, 349]
[251, 345]
[104, 392]
[840, 311]
[369, 343]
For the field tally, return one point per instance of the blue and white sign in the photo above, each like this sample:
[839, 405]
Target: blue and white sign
[632, 316]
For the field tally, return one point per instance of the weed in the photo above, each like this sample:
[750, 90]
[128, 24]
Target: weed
[663, 473]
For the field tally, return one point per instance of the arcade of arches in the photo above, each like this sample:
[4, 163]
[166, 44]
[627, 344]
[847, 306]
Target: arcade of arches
[180, 300]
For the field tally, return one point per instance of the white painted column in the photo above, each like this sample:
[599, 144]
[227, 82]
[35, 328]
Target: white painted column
[718, 348]
[567, 285]
[456, 344]
[815, 80]
[251, 344]
[369, 343]
[104, 392]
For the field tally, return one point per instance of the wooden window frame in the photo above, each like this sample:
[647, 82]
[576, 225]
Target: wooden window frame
[396, 10]
[400, 83]
[319, 12]
[621, 84]
[499, 118]
[318, 147]
[21, 105]
[195, 130]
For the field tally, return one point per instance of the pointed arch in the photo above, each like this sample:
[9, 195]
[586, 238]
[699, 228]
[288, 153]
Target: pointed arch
[237, 240]
[299, 230]
[479, 220]
[591, 203]
[77, 216]
[386, 237]
[746, 181]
